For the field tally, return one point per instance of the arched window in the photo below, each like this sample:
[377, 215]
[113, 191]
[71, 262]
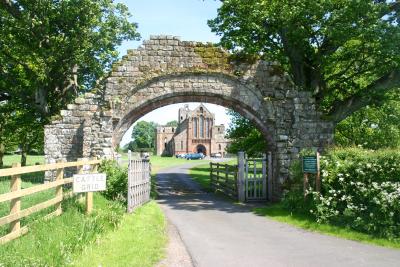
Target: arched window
[219, 147]
[201, 110]
[173, 129]
[201, 127]
[208, 128]
[181, 144]
[195, 127]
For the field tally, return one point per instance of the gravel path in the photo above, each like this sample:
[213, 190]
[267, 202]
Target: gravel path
[218, 233]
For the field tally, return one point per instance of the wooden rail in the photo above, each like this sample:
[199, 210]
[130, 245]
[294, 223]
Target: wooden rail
[223, 178]
[16, 193]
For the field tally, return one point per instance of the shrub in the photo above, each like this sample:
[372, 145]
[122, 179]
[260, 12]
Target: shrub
[360, 190]
[117, 180]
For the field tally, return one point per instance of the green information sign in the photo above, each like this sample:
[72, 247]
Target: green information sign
[310, 164]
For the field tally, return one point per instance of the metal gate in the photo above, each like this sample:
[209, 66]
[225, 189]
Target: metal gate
[257, 178]
[139, 182]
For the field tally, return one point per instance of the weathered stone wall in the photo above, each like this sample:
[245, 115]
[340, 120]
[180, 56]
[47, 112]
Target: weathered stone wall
[166, 70]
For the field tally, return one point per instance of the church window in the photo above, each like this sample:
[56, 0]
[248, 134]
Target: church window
[201, 109]
[201, 126]
[195, 127]
[181, 144]
[207, 127]
[219, 147]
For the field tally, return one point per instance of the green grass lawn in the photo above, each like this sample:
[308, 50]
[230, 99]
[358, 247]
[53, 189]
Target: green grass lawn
[201, 174]
[139, 241]
[8, 160]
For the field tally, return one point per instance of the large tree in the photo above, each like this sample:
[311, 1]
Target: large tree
[346, 52]
[51, 51]
[143, 135]
[244, 136]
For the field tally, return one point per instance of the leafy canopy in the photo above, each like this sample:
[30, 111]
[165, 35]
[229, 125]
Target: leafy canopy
[143, 135]
[347, 52]
[244, 136]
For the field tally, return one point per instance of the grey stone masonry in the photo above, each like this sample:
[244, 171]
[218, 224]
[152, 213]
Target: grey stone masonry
[166, 70]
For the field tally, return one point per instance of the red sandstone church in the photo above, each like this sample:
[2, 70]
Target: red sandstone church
[196, 133]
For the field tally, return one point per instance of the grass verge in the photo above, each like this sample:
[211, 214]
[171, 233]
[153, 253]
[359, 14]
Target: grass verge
[278, 213]
[139, 241]
[54, 242]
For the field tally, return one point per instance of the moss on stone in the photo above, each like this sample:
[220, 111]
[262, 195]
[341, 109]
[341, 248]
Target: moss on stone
[213, 56]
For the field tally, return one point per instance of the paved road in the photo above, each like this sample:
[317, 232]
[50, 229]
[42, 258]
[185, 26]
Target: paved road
[218, 233]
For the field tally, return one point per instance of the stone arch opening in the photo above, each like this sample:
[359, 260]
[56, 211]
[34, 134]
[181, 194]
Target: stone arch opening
[201, 149]
[166, 70]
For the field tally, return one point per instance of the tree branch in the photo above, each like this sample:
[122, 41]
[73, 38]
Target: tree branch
[11, 8]
[373, 94]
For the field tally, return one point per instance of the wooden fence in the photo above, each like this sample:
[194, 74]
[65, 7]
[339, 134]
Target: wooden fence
[17, 192]
[223, 178]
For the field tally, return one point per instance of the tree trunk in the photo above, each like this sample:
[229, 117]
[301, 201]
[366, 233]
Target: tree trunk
[24, 152]
[2, 150]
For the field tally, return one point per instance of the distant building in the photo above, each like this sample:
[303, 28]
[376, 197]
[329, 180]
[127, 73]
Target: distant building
[196, 133]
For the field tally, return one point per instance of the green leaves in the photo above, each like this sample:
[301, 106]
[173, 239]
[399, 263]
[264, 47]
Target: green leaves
[244, 136]
[335, 49]
[51, 51]
[143, 135]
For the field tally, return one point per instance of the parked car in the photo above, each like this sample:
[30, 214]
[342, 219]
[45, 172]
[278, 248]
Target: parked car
[216, 155]
[180, 156]
[194, 156]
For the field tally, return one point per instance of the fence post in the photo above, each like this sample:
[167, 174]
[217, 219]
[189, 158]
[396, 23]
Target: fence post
[211, 177]
[264, 175]
[15, 204]
[318, 176]
[79, 170]
[59, 189]
[240, 182]
[129, 196]
[89, 195]
[270, 173]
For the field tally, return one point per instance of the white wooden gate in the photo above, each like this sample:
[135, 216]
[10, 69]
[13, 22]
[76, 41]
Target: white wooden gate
[255, 178]
[139, 182]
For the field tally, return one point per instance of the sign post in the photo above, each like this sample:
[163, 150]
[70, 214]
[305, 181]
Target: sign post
[310, 165]
[89, 183]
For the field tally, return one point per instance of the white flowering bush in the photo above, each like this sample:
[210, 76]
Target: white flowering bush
[360, 190]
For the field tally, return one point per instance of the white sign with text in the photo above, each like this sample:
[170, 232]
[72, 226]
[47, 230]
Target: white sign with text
[90, 182]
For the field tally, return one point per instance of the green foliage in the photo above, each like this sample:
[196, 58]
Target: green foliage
[173, 123]
[244, 136]
[51, 51]
[117, 181]
[56, 241]
[371, 127]
[336, 49]
[360, 190]
[143, 135]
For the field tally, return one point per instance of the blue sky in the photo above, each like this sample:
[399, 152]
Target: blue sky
[184, 18]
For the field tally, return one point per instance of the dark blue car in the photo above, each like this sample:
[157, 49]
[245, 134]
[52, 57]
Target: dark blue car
[194, 156]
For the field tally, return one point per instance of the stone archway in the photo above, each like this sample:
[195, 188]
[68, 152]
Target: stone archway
[166, 70]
